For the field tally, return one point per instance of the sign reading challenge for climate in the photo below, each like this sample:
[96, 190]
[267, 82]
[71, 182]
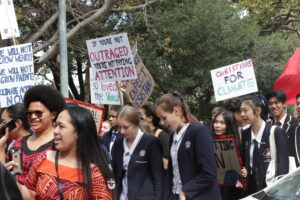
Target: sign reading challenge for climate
[234, 80]
[16, 73]
[111, 58]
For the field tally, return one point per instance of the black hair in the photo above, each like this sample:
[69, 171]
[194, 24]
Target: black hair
[48, 96]
[298, 95]
[149, 112]
[85, 126]
[116, 108]
[17, 111]
[278, 94]
[255, 101]
[231, 126]
[233, 105]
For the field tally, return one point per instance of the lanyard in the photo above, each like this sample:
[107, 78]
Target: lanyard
[57, 177]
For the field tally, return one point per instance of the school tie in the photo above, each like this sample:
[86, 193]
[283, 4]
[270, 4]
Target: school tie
[278, 123]
[255, 155]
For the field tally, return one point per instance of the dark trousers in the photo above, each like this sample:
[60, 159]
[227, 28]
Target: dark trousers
[174, 197]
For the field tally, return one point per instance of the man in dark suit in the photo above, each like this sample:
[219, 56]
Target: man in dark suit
[277, 106]
[113, 134]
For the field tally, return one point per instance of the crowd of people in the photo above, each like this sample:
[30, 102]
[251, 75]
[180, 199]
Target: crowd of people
[159, 151]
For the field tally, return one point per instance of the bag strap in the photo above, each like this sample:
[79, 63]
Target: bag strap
[273, 144]
[57, 177]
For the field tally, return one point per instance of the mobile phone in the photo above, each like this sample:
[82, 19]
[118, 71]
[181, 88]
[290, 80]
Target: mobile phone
[11, 125]
[16, 156]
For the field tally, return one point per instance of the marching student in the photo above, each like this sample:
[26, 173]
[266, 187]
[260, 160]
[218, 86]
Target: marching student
[110, 137]
[192, 166]
[224, 125]
[256, 146]
[136, 160]
[277, 106]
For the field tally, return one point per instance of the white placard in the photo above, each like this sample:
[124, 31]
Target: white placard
[234, 80]
[8, 21]
[104, 93]
[111, 58]
[16, 73]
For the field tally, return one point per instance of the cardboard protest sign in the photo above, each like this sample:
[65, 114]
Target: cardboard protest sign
[229, 163]
[234, 80]
[8, 21]
[105, 93]
[111, 58]
[97, 111]
[140, 89]
[16, 73]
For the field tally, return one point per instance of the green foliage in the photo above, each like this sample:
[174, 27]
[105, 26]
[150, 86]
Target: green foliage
[189, 38]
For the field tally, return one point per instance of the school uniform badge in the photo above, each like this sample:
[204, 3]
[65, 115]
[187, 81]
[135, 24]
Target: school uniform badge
[188, 144]
[142, 153]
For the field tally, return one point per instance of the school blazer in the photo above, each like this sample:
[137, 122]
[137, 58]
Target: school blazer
[145, 169]
[264, 154]
[107, 138]
[290, 126]
[197, 164]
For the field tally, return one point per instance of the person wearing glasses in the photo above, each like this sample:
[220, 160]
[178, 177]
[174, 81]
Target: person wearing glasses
[42, 104]
[136, 160]
[71, 170]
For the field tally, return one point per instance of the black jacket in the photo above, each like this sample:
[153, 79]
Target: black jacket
[197, 164]
[264, 154]
[145, 169]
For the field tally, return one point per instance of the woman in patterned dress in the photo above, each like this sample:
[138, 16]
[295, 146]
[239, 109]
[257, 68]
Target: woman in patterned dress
[76, 168]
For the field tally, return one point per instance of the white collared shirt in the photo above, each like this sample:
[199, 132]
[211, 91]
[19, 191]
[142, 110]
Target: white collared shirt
[177, 138]
[126, 158]
[282, 120]
[258, 139]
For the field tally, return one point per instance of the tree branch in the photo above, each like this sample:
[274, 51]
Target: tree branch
[54, 48]
[45, 26]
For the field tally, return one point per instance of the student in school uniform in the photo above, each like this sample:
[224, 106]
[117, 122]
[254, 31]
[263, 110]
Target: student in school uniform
[113, 134]
[192, 166]
[136, 160]
[256, 146]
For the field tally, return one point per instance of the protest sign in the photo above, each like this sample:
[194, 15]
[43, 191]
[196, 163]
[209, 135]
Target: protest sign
[105, 93]
[140, 89]
[111, 58]
[97, 111]
[234, 80]
[8, 21]
[16, 73]
[229, 163]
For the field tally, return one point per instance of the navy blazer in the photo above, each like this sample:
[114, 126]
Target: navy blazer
[107, 138]
[293, 133]
[197, 164]
[145, 169]
[264, 157]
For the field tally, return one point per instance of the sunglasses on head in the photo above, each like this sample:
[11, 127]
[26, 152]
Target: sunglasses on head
[37, 113]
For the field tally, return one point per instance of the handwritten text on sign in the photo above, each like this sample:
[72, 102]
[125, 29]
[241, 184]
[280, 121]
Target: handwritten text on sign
[16, 73]
[228, 160]
[140, 89]
[111, 58]
[105, 93]
[234, 80]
